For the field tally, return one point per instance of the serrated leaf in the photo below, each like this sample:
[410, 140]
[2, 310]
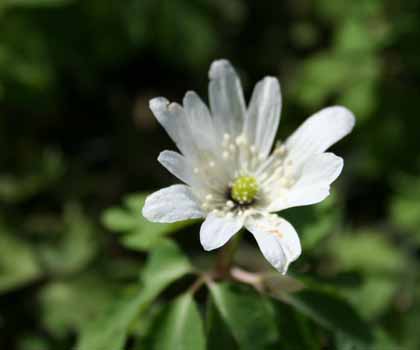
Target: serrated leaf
[165, 265]
[249, 315]
[179, 327]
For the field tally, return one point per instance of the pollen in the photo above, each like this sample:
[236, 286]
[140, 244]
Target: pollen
[244, 189]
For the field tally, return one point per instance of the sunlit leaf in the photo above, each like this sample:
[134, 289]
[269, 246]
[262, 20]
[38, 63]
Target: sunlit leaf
[18, 262]
[137, 232]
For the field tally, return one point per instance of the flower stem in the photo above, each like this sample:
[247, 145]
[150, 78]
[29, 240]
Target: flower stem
[225, 258]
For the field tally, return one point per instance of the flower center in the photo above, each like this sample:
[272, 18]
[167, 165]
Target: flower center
[244, 189]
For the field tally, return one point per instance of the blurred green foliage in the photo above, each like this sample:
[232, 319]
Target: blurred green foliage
[79, 266]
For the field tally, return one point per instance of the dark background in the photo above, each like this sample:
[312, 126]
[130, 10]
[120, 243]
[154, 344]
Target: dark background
[76, 136]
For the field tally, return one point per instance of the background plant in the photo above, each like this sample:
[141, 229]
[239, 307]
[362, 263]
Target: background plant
[80, 268]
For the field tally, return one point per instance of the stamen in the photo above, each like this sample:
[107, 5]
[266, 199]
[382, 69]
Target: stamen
[241, 140]
[230, 204]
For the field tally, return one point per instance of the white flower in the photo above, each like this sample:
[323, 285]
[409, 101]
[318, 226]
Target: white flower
[230, 177]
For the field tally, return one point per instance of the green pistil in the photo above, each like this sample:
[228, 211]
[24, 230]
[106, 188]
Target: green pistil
[244, 189]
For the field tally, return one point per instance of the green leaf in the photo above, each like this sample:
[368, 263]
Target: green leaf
[45, 170]
[179, 327]
[18, 263]
[67, 305]
[378, 262]
[119, 220]
[165, 265]
[410, 326]
[405, 206]
[36, 3]
[218, 333]
[249, 315]
[76, 245]
[110, 331]
[315, 222]
[381, 342]
[368, 251]
[296, 330]
[32, 342]
[374, 295]
[330, 311]
[137, 232]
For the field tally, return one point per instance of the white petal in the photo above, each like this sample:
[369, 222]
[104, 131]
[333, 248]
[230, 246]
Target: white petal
[263, 115]
[171, 204]
[177, 165]
[216, 231]
[200, 122]
[173, 119]
[226, 98]
[277, 240]
[313, 186]
[318, 133]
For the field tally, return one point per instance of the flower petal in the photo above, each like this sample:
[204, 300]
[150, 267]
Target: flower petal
[173, 119]
[277, 240]
[226, 98]
[313, 186]
[318, 133]
[177, 165]
[171, 204]
[201, 125]
[216, 231]
[263, 115]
